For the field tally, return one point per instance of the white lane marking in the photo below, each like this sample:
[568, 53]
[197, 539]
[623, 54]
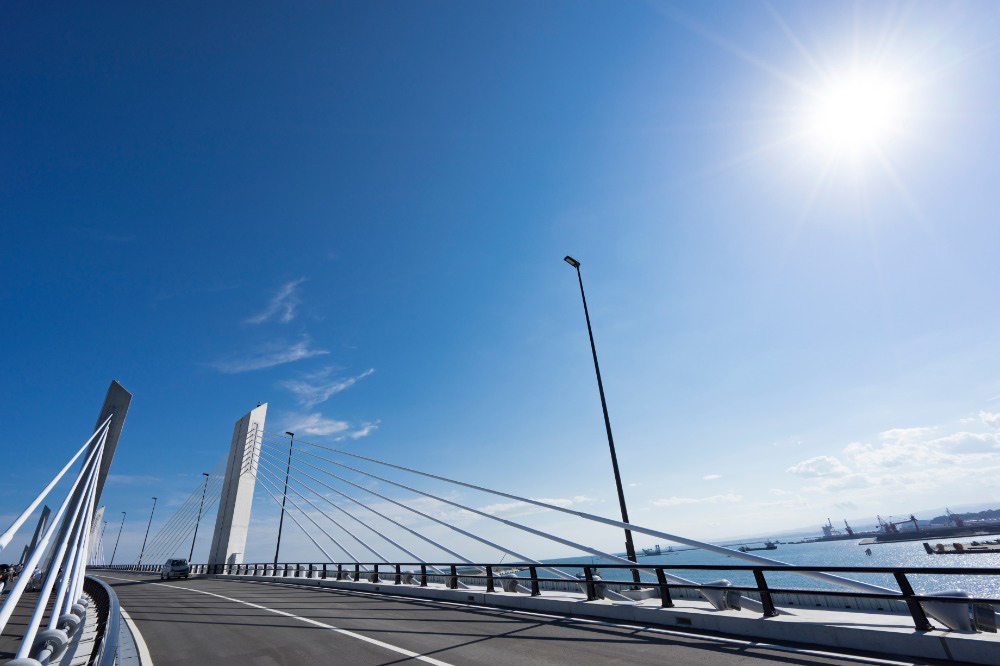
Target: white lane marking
[604, 623]
[140, 643]
[345, 632]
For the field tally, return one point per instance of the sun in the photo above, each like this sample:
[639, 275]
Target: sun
[857, 112]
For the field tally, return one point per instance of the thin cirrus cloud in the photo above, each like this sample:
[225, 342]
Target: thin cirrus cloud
[317, 425]
[270, 356]
[713, 499]
[319, 386]
[281, 306]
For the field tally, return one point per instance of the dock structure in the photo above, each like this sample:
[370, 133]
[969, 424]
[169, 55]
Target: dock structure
[972, 548]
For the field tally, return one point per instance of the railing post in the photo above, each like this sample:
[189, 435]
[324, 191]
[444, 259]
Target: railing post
[591, 591]
[399, 576]
[357, 571]
[423, 575]
[916, 610]
[765, 594]
[340, 572]
[375, 578]
[665, 600]
[453, 578]
[489, 580]
[534, 581]
[324, 571]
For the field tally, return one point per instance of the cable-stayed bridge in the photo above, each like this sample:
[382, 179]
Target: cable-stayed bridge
[392, 578]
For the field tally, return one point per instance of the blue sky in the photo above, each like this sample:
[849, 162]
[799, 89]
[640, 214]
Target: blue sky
[357, 212]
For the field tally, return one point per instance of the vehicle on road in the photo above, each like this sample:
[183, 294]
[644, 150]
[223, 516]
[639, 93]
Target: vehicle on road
[175, 569]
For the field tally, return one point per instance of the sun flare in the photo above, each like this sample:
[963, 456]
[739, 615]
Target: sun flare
[857, 112]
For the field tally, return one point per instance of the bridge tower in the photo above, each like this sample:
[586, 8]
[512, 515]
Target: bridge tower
[230, 538]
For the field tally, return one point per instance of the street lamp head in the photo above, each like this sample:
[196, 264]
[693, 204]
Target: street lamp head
[571, 261]
[290, 434]
[205, 474]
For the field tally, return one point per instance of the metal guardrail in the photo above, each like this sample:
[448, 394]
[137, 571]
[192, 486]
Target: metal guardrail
[108, 618]
[409, 573]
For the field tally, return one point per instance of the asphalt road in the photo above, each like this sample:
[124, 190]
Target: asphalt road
[214, 622]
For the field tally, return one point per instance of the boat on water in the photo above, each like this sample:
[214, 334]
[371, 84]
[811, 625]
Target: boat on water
[768, 545]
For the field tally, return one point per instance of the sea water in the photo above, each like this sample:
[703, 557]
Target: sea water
[830, 553]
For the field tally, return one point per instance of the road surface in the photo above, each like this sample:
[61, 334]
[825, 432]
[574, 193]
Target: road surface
[218, 623]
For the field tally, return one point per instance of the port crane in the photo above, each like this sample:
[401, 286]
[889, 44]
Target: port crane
[889, 527]
[955, 518]
[850, 531]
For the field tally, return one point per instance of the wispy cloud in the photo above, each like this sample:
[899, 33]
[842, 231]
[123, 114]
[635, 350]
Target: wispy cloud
[711, 477]
[319, 386]
[270, 356]
[281, 306]
[365, 430]
[712, 499]
[315, 424]
[131, 479]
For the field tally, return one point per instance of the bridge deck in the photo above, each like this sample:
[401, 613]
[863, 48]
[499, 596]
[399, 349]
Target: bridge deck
[210, 621]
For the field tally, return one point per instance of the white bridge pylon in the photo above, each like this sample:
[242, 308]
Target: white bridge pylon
[230, 537]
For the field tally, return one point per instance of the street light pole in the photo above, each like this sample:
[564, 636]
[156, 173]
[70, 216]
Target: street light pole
[148, 525]
[629, 546]
[198, 522]
[117, 540]
[281, 521]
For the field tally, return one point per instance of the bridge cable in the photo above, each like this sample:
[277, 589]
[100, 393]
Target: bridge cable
[829, 578]
[88, 470]
[184, 513]
[172, 534]
[8, 534]
[306, 514]
[331, 519]
[292, 516]
[319, 494]
[461, 558]
[523, 558]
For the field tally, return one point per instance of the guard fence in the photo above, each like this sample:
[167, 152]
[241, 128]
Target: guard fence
[954, 608]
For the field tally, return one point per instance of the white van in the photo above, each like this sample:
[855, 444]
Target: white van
[175, 569]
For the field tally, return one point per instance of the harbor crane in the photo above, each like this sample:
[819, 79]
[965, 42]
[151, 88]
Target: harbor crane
[955, 518]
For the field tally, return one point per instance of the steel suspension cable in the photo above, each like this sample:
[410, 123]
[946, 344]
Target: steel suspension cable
[331, 519]
[57, 572]
[310, 519]
[829, 578]
[510, 523]
[180, 524]
[186, 510]
[88, 468]
[523, 557]
[180, 536]
[460, 557]
[8, 534]
[292, 516]
[416, 557]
